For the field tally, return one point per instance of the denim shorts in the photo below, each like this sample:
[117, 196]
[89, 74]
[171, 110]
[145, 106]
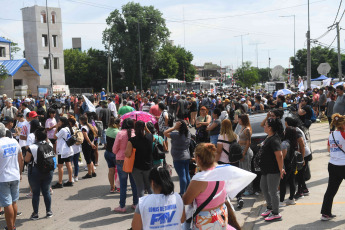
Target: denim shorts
[110, 158]
[9, 193]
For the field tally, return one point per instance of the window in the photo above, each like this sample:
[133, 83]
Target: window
[54, 40]
[2, 52]
[43, 17]
[53, 18]
[44, 40]
[17, 82]
[46, 62]
[56, 63]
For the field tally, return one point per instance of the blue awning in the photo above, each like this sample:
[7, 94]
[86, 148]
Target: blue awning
[4, 40]
[321, 78]
[13, 66]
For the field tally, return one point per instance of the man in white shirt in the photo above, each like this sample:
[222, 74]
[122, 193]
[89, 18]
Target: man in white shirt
[9, 110]
[11, 165]
[112, 107]
[25, 108]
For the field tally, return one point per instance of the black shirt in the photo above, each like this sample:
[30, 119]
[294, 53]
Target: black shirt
[308, 114]
[269, 164]
[193, 107]
[143, 153]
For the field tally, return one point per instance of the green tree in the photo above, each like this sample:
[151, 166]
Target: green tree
[166, 64]
[123, 37]
[247, 75]
[263, 75]
[76, 68]
[3, 72]
[318, 55]
[14, 48]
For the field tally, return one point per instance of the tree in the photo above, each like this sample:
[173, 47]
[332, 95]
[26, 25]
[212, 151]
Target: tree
[76, 68]
[14, 48]
[247, 75]
[263, 75]
[123, 38]
[318, 55]
[176, 61]
[3, 72]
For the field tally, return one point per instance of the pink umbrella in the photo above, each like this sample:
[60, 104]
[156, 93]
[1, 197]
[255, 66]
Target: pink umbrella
[140, 116]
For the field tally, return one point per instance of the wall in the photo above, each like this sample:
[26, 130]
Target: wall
[34, 51]
[7, 50]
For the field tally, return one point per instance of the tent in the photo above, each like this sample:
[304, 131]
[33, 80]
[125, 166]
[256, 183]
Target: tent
[321, 78]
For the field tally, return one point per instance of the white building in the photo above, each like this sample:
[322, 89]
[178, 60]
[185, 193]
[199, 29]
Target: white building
[36, 42]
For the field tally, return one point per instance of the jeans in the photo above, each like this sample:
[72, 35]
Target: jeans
[214, 139]
[336, 176]
[269, 187]
[123, 176]
[110, 159]
[9, 193]
[40, 182]
[75, 160]
[103, 139]
[182, 170]
[141, 178]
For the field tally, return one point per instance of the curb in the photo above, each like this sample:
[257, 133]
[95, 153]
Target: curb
[254, 213]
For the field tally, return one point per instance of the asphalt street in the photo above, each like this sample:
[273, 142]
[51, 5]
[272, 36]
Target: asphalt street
[88, 204]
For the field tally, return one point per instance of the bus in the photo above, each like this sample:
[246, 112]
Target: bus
[162, 85]
[200, 86]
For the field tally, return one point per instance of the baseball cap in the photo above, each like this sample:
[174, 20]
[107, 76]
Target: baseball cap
[243, 99]
[32, 114]
[103, 89]
[7, 120]
[27, 100]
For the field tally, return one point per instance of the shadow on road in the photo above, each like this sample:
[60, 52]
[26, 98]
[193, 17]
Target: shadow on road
[320, 151]
[319, 225]
[95, 192]
[318, 182]
[320, 140]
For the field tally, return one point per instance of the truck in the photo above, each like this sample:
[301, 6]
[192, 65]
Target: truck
[274, 86]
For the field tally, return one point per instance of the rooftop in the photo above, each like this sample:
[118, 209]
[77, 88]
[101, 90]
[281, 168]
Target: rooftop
[4, 40]
[13, 66]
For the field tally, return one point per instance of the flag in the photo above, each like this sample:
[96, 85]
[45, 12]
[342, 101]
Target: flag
[327, 82]
[301, 86]
[91, 107]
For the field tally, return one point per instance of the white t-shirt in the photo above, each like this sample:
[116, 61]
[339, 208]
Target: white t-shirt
[31, 139]
[61, 146]
[26, 110]
[337, 156]
[25, 132]
[9, 166]
[20, 125]
[161, 212]
[112, 108]
[76, 148]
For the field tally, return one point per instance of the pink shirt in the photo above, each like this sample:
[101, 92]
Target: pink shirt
[218, 199]
[154, 110]
[120, 144]
[50, 122]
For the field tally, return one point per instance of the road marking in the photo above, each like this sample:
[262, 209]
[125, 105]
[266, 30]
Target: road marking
[340, 202]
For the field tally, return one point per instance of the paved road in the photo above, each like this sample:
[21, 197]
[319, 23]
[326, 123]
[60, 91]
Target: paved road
[88, 204]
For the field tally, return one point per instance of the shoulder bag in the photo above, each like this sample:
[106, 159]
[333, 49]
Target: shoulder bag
[128, 163]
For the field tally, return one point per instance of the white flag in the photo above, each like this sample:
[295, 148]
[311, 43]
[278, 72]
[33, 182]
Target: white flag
[327, 82]
[89, 104]
[301, 86]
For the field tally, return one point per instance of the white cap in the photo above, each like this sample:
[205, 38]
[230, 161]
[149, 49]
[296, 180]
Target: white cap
[27, 100]
[243, 99]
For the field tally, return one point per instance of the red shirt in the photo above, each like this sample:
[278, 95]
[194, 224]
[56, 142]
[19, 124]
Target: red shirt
[155, 111]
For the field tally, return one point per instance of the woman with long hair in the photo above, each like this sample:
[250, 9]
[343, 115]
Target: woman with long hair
[62, 133]
[201, 125]
[110, 157]
[180, 141]
[76, 149]
[245, 136]
[214, 126]
[239, 110]
[92, 118]
[119, 148]
[149, 208]
[160, 140]
[226, 136]
[88, 146]
[289, 146]
[271, 165]
[143, 161]
[336, 165]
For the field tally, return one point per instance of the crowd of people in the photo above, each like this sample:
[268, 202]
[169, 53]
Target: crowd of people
[207, 132]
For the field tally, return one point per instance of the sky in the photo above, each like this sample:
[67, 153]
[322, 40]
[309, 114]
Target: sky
[209, 29]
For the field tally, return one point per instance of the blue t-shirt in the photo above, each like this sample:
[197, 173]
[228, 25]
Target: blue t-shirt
[102, 96]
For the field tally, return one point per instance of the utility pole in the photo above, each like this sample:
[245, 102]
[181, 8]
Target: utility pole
[257, 52]
[140, 71]
[108, 73]
[308, 53]
[242, 49]
[50, 54]
[339, 55]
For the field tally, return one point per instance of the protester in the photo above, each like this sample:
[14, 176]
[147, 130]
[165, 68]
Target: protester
[202, 123]
[214, 126]
[226, 136]
[159, 140]
[339, 106]
[76, 149]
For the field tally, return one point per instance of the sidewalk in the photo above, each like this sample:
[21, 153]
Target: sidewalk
[306, 213]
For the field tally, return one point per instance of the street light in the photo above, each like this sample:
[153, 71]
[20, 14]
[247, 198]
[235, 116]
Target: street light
[242, 48]
[294, 43]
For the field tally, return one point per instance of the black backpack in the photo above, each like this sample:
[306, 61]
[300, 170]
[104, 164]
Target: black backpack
[45, 158]
[170, 120]
[234, 152]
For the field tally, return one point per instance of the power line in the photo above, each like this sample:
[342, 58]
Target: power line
[338, 11]
[341, 16]
[332, 41]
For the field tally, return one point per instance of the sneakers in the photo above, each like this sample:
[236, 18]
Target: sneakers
[2, 213]
[112, 190]
[76, 179]
[87, 176]
[327, 217]
[68, 184]
[49, 214]
[305, 192]
[290, 202]
[34, 216]
[119, 209]
[134, 206]
[19, 213]
[272, 217]
[266, 212]
[298, 196]
[57, 185]
[29, 195]
[94, 174]
[240, 203]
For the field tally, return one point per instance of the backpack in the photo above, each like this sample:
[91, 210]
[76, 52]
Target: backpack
[45, 158]
[234, 152]
[79, 137]
[158, 150]
[170, 120]
[99, 126]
